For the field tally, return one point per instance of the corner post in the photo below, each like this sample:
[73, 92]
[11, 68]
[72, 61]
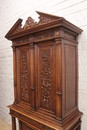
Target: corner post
[58, 79]
[13, 123]
[20, 125]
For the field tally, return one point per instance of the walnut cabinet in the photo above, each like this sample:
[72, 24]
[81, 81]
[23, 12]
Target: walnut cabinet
[45, 57]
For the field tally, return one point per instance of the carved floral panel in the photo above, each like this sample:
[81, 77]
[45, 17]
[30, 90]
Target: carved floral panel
[45, 78]
[24, 77]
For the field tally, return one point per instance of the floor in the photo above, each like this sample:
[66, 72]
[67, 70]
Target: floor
[4, 125]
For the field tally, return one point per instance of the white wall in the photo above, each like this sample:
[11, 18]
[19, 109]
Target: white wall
[10, 10]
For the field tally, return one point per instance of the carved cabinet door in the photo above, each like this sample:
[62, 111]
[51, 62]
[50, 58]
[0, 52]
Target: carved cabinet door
[46, 76]
[25, 76]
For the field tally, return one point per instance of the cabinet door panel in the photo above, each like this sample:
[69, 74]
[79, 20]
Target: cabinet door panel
[46, 76]
[25, 75]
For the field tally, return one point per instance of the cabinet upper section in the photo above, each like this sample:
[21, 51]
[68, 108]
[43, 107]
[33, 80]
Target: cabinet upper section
[46, 22]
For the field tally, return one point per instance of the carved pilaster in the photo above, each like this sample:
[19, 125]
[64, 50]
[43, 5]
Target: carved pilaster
[15, 74]
[58, 41]
[13, 47]
[57, 33]
[58, 79]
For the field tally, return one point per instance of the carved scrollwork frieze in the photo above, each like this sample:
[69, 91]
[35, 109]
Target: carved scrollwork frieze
[40, 36]
[23, 40]
[37, 37]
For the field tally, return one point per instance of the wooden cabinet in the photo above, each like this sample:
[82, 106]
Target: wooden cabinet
[45, 58]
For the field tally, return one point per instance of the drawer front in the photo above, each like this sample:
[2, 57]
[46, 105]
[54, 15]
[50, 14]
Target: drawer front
[25, 127]
[32, 127]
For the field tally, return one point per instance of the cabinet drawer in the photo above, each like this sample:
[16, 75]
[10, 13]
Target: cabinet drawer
[26, 127]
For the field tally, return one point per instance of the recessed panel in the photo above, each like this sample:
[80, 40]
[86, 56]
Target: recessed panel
[70, 77]
[24, 87]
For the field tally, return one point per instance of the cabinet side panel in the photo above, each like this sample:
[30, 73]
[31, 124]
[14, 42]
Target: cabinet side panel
[70, 77]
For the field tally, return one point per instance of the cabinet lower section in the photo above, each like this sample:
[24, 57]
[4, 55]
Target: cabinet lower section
[31, 120]
[77, 126]
[25, 126]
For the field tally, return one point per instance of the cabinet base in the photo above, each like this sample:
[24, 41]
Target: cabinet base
[32, 121]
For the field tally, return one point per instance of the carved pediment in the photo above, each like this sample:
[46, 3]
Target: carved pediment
[43, 19]
[46, 18]
[31, 25]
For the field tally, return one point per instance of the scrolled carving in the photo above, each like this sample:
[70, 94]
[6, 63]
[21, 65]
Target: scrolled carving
[43, 35]
[29, 23]
[43, 20]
